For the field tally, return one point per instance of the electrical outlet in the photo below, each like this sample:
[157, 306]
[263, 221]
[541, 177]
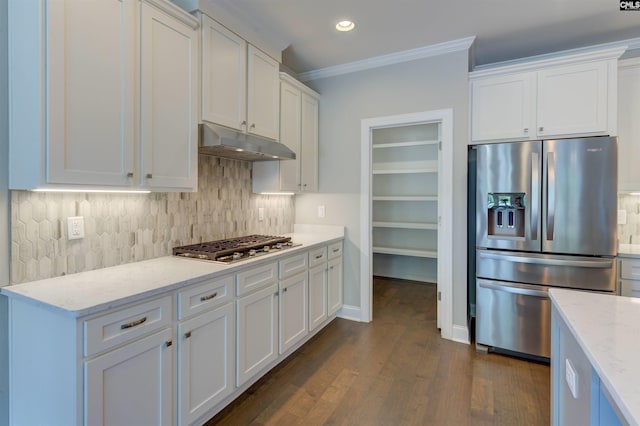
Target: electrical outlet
[321, 211]
[572, 378]
[75, 227]
[622, 217]
[260, 213]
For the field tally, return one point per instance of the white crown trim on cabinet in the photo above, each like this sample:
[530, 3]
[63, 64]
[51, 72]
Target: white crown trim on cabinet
[390, 59]
[175, 11]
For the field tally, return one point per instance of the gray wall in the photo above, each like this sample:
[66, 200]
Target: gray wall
[423, 85]
[4, 215]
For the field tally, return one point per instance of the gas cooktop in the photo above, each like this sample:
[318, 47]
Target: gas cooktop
[235, 249]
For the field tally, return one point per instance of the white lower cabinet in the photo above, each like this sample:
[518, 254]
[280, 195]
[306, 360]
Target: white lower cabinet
[257, 332]
[206, 370]
[334, 286]
[133, 384]
[629, 279]
[317, 295]
[293, 310]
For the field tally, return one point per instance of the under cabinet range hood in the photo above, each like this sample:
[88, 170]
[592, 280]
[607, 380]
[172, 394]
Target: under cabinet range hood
[223, 142]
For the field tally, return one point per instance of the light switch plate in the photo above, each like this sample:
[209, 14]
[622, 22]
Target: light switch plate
[260, 213]
[75, 227]
[321, 211]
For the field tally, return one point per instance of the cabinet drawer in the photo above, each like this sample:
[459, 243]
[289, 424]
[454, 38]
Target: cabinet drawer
[335, 250]
[317, 256]
[293, 265]
[205, 296]
[630, 288]
[115, 328]
[255, 278]
[630, 269]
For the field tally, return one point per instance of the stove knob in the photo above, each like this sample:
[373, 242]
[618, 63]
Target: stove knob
[266, 248]
[279, 246]
[252, 252]
[237, 255]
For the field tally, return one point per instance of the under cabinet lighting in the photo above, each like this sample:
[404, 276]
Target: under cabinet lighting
[107, 191]
[345, 25]
[277, 193]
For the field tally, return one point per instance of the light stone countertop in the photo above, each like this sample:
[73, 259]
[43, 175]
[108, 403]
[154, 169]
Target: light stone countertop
[90, 292]
[607, 329]
[629, 250]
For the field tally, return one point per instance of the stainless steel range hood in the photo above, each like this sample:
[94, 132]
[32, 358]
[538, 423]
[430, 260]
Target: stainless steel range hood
[223, 142]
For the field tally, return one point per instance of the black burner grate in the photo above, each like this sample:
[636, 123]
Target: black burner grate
[214, 250]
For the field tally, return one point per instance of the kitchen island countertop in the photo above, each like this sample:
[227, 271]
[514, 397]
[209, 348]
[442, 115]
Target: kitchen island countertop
[90, 292]
[607, 327]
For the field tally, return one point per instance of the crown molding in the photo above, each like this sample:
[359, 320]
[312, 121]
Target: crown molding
[390, 59]
[176, 11]
[603, 51]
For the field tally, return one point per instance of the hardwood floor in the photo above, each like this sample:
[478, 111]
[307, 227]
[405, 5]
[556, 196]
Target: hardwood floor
[394, 371]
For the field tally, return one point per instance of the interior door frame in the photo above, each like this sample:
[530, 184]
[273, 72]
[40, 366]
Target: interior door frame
[445, 211]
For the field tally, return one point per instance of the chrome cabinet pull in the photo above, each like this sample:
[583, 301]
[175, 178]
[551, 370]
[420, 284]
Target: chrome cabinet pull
[526, 130]
[335, 250]
[253, 126]
[244, 123]
[187, 334]
[284, 289]
[133, 323]
[149, 175]
[318, 256]
[130, 174]
[208, 297]
[541, 128]
[168, 343]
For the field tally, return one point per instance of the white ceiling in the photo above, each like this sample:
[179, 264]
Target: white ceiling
[504, 29]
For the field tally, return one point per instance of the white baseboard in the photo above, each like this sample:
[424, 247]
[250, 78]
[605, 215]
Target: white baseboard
[460, 333]
[350, 312]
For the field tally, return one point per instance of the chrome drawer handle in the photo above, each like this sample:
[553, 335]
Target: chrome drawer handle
[133, 323]
[208, 297]
[187, 334]
[319, 256]
[149, 176]
[335, 250]
[130, 174]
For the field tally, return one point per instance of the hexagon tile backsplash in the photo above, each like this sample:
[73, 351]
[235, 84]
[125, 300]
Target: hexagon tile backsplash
[123, 228]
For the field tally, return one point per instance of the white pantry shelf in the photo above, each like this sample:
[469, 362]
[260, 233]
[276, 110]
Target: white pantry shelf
[405, 252]
[405, 167]
[405, 144]
[405, 225]
[405, 198]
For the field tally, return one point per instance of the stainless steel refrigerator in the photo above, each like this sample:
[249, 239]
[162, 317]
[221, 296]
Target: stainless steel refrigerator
[546, 216]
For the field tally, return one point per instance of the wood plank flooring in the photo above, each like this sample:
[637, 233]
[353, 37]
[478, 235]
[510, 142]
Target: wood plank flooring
[394, 371]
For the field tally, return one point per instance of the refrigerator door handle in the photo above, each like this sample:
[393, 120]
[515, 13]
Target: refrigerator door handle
[601, 264]
[513, 288]
[535, 194]
[551, 194]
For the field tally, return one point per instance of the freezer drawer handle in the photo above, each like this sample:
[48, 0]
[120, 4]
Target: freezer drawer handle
[514, 290]
[603, 264]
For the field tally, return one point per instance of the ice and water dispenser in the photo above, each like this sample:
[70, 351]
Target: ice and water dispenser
[506, 214]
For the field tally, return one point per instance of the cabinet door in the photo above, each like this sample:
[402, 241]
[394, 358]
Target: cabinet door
[263, 94]
[503, 107]
[207, 362]
[290, 123]
[334, 285]
[224, 76]
[257, 332]
[629, 126]
[317, 295]
[90, 102]
[572, 100]
[293, 310]
[132, 385]
[168, 101]
[309, 138]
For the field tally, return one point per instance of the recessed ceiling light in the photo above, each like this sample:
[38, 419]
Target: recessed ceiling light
[345, 25]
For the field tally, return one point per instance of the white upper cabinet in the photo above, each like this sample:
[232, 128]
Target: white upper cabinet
[263, 94]
[503, 106]
[224, 76]
[75, 75]
[240, 83]
[299, 115]
[573, 100]
[560, 97]
[168, 102]
[629, 125]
